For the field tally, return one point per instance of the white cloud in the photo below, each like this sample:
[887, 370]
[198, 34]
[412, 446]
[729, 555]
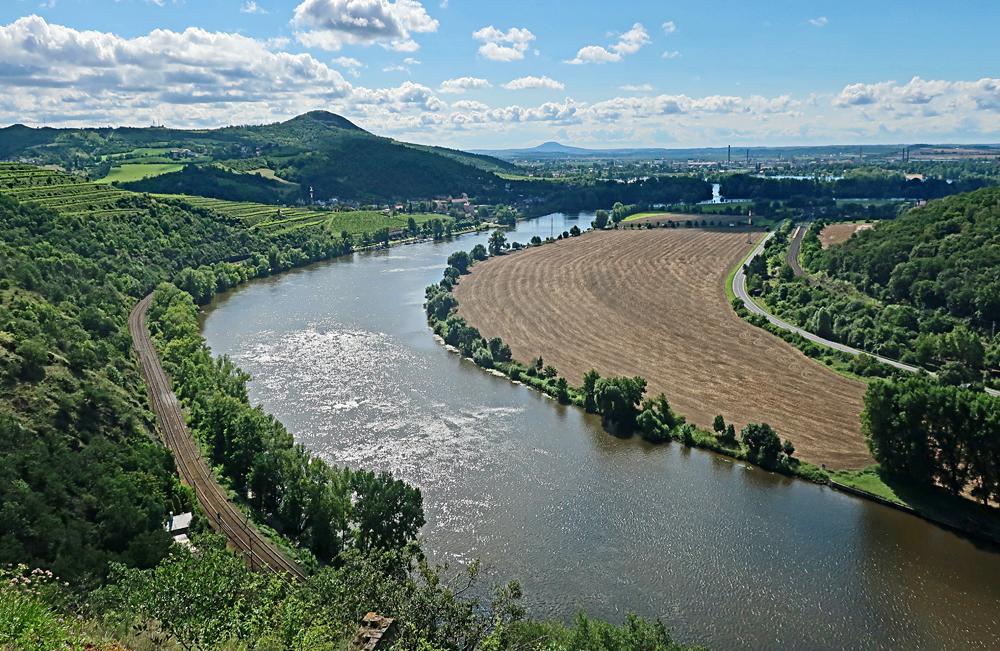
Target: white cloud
[523, 83]
[628, 43]
[669, 27]
[251, 7]
[462, 84]
[57, 74]
[407, 95]
[330, 24]
[931, 95]
[503, 46]
[820, 21]
[670, 54]
[636, 88]
[350, 64]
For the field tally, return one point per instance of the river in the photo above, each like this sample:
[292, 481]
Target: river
[728, 556]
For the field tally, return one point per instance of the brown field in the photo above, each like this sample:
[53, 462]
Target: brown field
[680, 218]
[653, 303]
[836, 233]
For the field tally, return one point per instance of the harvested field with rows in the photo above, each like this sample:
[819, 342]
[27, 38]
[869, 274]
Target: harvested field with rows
[653, 303]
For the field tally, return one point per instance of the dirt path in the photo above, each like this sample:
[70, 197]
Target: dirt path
[222, 515]
[653, 303]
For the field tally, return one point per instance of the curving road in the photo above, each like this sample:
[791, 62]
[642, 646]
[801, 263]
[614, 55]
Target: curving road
[795, 246]
[740, 290]
[222, 515]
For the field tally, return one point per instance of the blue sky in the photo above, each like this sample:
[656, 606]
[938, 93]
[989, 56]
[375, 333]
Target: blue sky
[484, 74]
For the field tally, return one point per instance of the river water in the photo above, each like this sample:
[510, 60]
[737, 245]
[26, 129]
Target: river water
[727, 556]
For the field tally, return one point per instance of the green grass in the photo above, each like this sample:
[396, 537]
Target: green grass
[935, 504]
[137, 171]
[867, 480]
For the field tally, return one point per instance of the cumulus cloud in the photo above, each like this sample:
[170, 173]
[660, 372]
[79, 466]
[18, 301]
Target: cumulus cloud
[669, 27]
[461, 84]
[555, 112]
[330, 24]
[819, 21]
[933, 96]
[523, 83]
[498, 45]
[629, 42]
[407, 95]
[191, 78]
[670, 54]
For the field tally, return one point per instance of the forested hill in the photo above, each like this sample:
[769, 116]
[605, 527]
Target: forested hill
[943, 256]
[319, 149]
[923, 288]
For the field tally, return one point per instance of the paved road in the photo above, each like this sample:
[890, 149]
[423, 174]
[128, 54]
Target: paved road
[794, 247]
[740, 290]
[223, 515]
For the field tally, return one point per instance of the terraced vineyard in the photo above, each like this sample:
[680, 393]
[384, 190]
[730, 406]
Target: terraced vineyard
[72, 195]
[278, 220]
[65, 193]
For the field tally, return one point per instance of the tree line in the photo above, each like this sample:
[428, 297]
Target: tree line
[871, 186]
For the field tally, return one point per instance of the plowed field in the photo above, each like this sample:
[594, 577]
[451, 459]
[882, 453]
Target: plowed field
[653, 303]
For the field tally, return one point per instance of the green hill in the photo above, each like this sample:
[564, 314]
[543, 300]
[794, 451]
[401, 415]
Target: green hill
[923, 288]
[319, 149]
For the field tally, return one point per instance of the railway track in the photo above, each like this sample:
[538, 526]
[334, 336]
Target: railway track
[225, 518]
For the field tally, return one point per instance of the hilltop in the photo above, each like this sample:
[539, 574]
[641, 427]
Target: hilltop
[322, 150]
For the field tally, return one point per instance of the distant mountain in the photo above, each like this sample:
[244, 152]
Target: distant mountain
[319, 150]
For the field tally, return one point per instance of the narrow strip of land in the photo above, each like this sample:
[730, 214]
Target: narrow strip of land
[222, 514]
[740, 290]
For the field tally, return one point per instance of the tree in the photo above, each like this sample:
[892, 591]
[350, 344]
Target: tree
[440, 305]
[617, 399]
[562, 391]
[719, 424]
[497, 242]
[618, 212]
[601, 219]
[575, 231]
[411, 226]
[763, 444]
[499, 350]
[505, 215]
[387, 512]
[590, 379]
[788, 448]
[478, 252]
[461, 261]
